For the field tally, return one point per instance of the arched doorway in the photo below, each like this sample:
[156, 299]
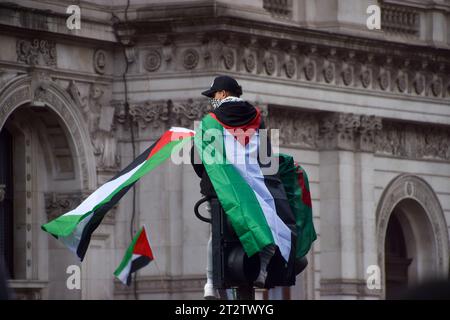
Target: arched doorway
[50, 164]
[412, 236]
[396, 259]
[40, 162]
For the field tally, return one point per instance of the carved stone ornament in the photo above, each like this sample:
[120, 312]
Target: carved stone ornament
[36, 52]
[355, 63]
[100, 61]
[383, 80]
[365, 78]
[57, 204]
[328, 73]
[337, 130]
[250, 62]
[228, 58]
[190, 59]
[152, 60]
[99, 117]
[414, 141]
[436, 87]
[347, 76]
[401, 82]
[310, 70]
[290, 68]
[269, 64]
[165, 113]
[296, 128]
[419, 84]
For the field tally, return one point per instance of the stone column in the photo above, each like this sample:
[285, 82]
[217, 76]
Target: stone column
[365, 202]
[346, 202]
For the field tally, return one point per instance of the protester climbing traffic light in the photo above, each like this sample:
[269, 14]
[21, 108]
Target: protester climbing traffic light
[231, 265]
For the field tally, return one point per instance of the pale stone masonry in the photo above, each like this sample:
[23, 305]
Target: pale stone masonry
[366, 112]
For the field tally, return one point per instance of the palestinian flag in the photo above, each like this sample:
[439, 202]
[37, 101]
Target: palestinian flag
[138, 255]
[75, 228]
[255, 203]
[296, 185]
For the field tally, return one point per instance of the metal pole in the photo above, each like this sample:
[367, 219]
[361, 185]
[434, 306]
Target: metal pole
[245, 293]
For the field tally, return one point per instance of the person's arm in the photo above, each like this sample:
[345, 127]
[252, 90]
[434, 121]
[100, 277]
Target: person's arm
[197, 164]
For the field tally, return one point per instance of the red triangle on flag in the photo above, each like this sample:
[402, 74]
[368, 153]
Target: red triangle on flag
[142, 246]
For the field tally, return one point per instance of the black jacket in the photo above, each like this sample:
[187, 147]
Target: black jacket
[233, 113]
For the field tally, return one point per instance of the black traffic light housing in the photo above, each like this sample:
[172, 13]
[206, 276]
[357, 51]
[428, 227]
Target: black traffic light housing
[231, 265]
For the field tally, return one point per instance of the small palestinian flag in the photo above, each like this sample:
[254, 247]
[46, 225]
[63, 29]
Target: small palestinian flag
[138, 255]
[75, 228]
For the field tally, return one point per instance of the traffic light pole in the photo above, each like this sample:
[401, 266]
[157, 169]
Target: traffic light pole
[227, 253]
[245, 293]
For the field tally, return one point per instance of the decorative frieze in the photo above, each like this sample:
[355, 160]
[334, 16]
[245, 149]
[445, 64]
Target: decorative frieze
[414, 141]
[360, 67]
[36, 52]
[309, 130]
[296, 129]
[186, 112]
[164, 113]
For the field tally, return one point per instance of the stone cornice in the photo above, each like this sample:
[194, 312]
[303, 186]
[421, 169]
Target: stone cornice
[180, 25]
[297, 55]
[205, 42]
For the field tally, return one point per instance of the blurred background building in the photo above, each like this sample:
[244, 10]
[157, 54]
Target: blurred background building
[366, 112]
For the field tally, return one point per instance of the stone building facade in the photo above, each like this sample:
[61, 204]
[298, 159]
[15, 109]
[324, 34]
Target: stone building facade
[366, 112]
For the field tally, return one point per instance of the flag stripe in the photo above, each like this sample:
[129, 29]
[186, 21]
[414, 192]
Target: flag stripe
[75, 227]
[65, 224]
[248, 167]
[112, 199]
[235, 195]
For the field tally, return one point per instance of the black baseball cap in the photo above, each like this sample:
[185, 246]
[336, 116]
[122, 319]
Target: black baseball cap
[223, 83]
